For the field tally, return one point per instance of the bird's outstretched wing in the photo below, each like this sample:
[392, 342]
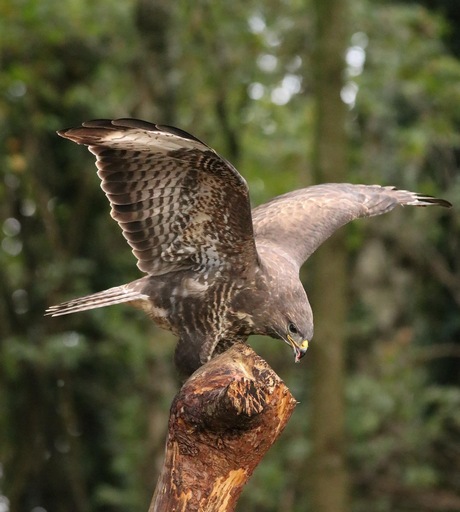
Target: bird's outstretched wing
[179, 204]
[299, 222]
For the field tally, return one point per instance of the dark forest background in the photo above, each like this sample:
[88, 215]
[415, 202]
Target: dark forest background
[84, 399]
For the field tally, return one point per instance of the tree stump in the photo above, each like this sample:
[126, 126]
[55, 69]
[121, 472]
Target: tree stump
[222, 422]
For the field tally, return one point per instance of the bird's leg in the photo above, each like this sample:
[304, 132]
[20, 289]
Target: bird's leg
[187, 357]
[193, 352]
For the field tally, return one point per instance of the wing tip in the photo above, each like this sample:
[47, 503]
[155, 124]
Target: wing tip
[80, 134]
[426, 200]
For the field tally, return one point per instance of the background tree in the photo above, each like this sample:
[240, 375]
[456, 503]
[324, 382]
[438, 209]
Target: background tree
[330, 287]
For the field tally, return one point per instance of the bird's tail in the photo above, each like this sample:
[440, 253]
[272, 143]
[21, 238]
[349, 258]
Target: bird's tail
[116, 295]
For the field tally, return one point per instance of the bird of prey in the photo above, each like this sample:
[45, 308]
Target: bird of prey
[216, 272]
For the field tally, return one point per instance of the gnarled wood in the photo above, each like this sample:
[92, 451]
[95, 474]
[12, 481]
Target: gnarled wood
[222, 422]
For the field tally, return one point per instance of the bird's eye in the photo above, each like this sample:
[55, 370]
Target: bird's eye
[292, 328]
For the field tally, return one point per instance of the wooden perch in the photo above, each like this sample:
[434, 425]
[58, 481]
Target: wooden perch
[222, 422]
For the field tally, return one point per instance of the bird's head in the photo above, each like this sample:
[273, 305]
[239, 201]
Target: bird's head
[283, 310]
[297, 341]
[293, 320]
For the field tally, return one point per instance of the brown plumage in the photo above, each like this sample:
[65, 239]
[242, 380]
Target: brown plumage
[216, 272]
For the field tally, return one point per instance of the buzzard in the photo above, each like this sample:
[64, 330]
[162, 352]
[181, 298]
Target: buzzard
[216, 272]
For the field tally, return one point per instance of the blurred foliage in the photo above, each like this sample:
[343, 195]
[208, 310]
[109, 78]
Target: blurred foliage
[85, 398]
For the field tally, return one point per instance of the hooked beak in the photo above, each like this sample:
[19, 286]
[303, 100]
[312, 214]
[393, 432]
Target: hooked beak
[299, 350]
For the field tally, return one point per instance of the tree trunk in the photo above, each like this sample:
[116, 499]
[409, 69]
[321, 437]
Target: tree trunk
[329, 478]
[222, 422]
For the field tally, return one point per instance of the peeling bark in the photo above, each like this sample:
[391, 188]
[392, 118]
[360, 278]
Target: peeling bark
[222, 422]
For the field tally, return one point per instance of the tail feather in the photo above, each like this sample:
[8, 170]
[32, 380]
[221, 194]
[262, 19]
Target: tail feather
[115, 295]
